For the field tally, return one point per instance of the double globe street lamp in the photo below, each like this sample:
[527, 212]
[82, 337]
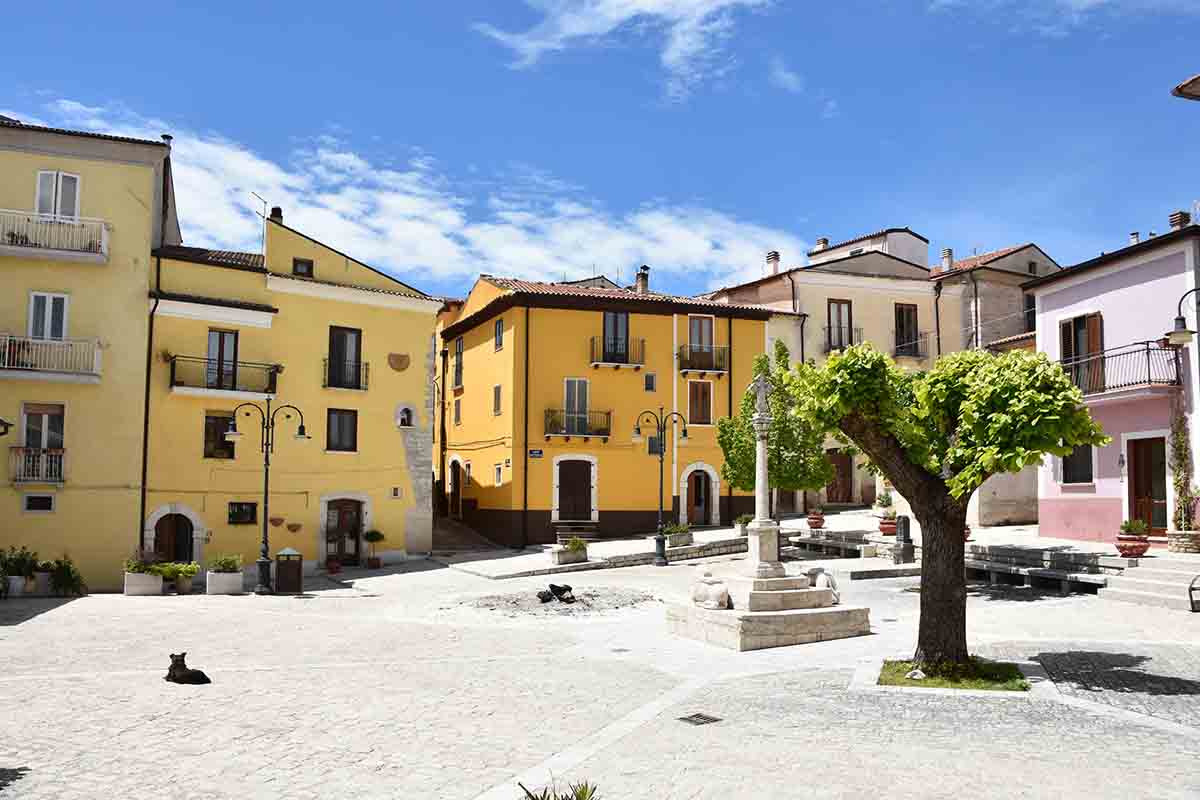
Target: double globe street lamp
[660, 421]
[267, 445]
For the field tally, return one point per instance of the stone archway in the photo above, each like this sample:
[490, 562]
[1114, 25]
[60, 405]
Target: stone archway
[327, 524]
[200, 532]
[714, 511]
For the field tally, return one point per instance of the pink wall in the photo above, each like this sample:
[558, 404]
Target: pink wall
[1092, 518]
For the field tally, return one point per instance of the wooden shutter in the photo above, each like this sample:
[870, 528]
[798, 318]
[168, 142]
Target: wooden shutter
[700, 402]
[1066, 341]
[1095, 341]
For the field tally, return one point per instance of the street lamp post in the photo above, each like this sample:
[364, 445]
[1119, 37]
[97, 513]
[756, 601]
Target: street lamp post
[1181, 334]
[660, 422]
[267, 446]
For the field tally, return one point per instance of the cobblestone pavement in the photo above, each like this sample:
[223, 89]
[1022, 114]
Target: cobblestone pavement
[398, 685]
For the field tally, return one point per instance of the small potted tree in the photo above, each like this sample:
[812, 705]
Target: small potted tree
[224, 575]
[741, 522]
[1132, 541]
[573, 552]
[816, 518]
[142, 576]
[372, 538]
[887, 523]
[184, 573]
[677, 535]
[885, 503]
[15, 564]
[65, 579]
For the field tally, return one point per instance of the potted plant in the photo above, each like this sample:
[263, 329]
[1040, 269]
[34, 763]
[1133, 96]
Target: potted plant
[816, 518]
[1132, 541]
[224, 575]
[885, 502]
[41, 578]
[184, 573]
[372, 538]
[573, 552]
[887, 523]
[18, 566]
[65, 579]
[677, 535]
[333, 565]
[741, 522]
[142, 576]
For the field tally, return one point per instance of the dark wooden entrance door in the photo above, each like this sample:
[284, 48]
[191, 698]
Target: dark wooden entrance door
[173, 538]
[699, 498]
[1148, 482]
[841, 489]
[343, 527]
[455, 491]
[575, 490]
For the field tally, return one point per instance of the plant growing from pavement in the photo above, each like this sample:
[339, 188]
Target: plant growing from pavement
[937, 436]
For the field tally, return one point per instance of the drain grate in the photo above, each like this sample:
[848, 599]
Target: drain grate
[699, 719]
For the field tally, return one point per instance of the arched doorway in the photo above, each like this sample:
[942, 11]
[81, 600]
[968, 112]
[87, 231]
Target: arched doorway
[699, 498]
[699, 495]
[455, 490]
[173, 538]
[343, 530]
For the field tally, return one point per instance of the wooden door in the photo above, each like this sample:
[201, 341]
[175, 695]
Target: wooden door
[700, 340]
[173, 538]
[699, 498]
[455, 491]
[574, 490]
[343, 527]
[1148, 482]
[841, 489]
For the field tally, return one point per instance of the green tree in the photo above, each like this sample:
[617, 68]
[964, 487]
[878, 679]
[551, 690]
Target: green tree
[937, 436]
[795, 447]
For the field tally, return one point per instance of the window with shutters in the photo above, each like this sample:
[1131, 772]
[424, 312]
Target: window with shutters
[458, 411]
[216, 425]
[1082, 350]
[700, 402]
[496, 400]
[58, 194]
[342, 430]
[650, 382]
[498, 334]
[1030, 302]
[47, 315]
[458, 362]
[1077, 467]
[907, 336]
[575, 407]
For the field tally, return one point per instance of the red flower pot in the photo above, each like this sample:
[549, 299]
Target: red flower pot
[887, 526]
[374, 562]
[333, 566]
[1132, 545]
[816, 521]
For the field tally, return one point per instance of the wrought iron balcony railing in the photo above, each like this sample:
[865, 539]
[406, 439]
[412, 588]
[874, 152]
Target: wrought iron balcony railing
[704, 358]
[560, 422]
[68, 356]
[909, 345]
[608, 350]
[839, 337]
[230, 376]
[346, 374]
[1140, 364]
[37, 465]
[29, 230]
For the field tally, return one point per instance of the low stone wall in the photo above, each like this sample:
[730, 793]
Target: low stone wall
[721, 547]
[1183, 541]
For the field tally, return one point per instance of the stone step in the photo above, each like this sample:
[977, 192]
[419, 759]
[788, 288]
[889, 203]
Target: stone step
[1156, 574]
[1146, 599]
[1134, 582]
[1190, 565]
[787, 600]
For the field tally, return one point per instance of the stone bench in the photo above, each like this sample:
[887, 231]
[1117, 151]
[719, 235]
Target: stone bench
[1064, 578]
[846, 545]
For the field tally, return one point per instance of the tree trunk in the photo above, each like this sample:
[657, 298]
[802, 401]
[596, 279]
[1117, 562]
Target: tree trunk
[942, 635]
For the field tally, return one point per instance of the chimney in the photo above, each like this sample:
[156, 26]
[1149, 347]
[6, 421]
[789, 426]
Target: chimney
[642, 282]
[947, 259]
[1152, 234]
[1134, 237]
[166, 137]
[822, 243]
[1180, 219]
[277, 214]
[773, 262]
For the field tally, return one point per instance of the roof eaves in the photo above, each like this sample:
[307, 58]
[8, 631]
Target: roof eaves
[1116, 255]
[9, 122]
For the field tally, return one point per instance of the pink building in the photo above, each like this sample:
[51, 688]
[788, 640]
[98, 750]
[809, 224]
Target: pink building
[1105, 320]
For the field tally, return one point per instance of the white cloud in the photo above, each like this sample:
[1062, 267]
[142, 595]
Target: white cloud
[1058, 18]
[694, 30]
[783, 77]
[421, 223]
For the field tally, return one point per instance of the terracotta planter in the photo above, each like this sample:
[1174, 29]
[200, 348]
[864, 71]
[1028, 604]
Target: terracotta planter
[183, 584]
[887, 526]
[1132, 545]
[294, 526]
[374, 562]
[333, 566]
[1183, 541]
[276, 521]
[816, 521]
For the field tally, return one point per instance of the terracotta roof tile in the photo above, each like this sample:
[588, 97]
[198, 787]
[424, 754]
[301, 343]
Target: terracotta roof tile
[866, 236]
[9, 122]
[596, 292]
[983, 259]
[396, 292]
[219, 258]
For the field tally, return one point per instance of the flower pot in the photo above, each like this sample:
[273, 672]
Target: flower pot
[41, 581]
[183, 584]
[374, 562]
[561, 555]
[142, 584]
[223, 583]
[740, 527]
[333, 566]
[30, 585]
[276, 521]
[679, 539]
[887, 526]
[294, 526]
[816, 521]
[16, 585]
[1132, 545]
[1183, 541]
[966, 532]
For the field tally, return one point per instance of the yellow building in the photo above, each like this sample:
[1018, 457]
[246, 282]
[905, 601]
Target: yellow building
[541, 385]
[79, 215]
[305, 325]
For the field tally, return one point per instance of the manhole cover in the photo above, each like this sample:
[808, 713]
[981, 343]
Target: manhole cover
[699, 719]
[620, 650]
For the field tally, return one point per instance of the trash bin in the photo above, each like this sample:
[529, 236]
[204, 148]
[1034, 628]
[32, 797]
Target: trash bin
[903, 551]
[289, 571]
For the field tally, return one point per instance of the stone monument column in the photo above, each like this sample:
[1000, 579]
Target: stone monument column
[762, 532]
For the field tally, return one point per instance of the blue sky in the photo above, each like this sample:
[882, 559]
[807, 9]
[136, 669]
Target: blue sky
[556, 137]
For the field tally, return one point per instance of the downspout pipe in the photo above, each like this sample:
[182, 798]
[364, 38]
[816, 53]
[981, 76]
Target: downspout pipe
[729, 388]
[525, 445]
[796, 310]
[146, 401]
[937, 314]
[976, 333]
[442, 433]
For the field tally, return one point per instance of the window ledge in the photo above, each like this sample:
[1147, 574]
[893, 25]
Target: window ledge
[341, 452]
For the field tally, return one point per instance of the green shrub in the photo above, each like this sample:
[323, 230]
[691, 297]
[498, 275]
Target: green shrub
[373, 536]
[225, 563]
[744, 519]
[575, 791]
[187, 570]
[575, 545]
[18, 562]
[674, 529]
[1135, 526]
[885, 500]
[139, 565]
[45, 566]
[889, 513]
[65, 579]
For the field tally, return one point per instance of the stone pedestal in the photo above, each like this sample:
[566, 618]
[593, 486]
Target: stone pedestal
[763, 548]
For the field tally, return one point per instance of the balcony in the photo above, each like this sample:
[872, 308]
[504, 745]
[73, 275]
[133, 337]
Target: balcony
[346, 375]
[37, 465]
[839, 337]
[583, 424]
[909, 345]
[209, 377]
[703, 358]
[27, 234]
[617, 353]
[72, 360]
[1140, 365]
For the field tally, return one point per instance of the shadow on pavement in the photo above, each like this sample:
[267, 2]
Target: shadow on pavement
[10, 775]
[14, 611]
[1095, 671]
[1012, 593]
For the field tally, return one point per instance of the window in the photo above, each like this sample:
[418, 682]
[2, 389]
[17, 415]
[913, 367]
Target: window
[496, 400]
[458, 362]
[58, 194]
[498, 333]
[651, 382]
[215, 443]
[907, 337]
[700, 402]
[1033, 268]
[302, 267]
[47, 315]
[345, 367]
[499, 474]
[457, 411]
[1030, 313]
[858, 251]
[42, 458]
[1077, 467]
[700, 332]
[576, 405]
[243, 513]
[38, 503]
[653, 446]
[221, 369]
[405, 418]
[840, 331]
[467, 472]
[616, 337]
[342, 430]
[1082, 343]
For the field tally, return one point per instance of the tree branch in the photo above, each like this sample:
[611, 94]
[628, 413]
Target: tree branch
[885, 450]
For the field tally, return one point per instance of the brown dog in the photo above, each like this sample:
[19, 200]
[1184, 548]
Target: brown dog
[178, 672]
